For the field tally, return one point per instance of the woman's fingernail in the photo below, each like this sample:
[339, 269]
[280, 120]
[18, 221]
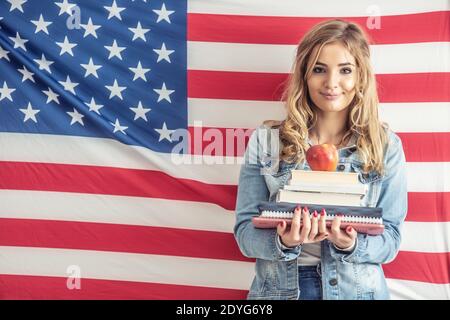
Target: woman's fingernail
[315, 214]
[322, 213]
[349, 229]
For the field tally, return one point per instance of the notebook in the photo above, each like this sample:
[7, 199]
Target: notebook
[366, 220]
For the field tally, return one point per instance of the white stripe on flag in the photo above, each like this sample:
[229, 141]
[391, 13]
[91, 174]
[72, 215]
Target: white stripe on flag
[325, 8]
[127, 267]
[413, 290]
[81, 207]
[428, 176]
[432, 237]
[411, 58]
[392, 58]
[219, 56]
[402, 117]
[165, 269]
[408, 117]
[220, 113]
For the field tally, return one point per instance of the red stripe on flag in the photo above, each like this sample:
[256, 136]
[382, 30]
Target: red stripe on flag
[55, 288]
[407, 28]
[112, 181]
[119, 238]
[235, 85]
[428, 207]
[426, 147]
[418, 147]
[420, 266]
[414, 87]
[408, 87]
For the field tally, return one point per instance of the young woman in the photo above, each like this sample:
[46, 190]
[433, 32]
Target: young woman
[331, 98]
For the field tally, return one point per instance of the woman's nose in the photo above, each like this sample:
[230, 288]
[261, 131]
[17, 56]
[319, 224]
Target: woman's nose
[332, 81]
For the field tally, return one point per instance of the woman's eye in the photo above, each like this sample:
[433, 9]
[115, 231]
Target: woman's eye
[318, 70]
[346, 70]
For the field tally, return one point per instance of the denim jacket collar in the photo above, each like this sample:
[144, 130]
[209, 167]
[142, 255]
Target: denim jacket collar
[350, 144]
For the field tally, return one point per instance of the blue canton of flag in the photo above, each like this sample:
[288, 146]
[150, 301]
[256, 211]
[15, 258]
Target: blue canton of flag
[105, 68]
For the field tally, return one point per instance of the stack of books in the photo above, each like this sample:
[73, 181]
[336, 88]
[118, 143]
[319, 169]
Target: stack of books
[336, 192]
[323, 188]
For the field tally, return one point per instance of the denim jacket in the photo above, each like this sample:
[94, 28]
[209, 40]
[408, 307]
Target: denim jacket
[345, 275]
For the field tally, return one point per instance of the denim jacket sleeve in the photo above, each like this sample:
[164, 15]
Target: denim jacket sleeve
[393, 199]
[253, 242]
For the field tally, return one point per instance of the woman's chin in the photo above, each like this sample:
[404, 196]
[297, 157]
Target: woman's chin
[331, 106]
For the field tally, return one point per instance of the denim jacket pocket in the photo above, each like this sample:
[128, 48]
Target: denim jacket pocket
[364, 177]
[367, 296]
[275, 167]
[372, 180]
[278, 178]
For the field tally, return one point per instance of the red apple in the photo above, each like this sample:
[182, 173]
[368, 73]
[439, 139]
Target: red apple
[322, 157]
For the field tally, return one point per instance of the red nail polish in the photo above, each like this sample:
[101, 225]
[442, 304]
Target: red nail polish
[322, 213]
[349, 229]
[306, 209]
[315, 214]
[298, 208]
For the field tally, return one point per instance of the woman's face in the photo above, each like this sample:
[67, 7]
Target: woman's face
[332, 83]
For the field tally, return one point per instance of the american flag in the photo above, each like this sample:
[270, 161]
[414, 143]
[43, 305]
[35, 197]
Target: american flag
[93, 95]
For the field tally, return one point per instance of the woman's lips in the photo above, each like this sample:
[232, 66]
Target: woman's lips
[330, 96]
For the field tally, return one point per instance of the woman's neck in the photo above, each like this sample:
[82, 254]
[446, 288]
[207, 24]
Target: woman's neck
[330, 128]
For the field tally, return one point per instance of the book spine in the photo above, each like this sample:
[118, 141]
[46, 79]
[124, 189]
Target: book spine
[327, 177]
[361, 190]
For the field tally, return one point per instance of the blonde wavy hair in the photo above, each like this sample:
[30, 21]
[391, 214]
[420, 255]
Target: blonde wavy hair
[363, 119]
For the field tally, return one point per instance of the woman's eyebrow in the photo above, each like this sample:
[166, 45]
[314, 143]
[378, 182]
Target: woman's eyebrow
[340, 64]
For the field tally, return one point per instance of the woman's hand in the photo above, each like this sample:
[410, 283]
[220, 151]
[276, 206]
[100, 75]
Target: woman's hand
[310, 230]
[342, 239]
